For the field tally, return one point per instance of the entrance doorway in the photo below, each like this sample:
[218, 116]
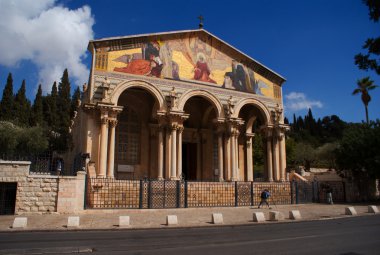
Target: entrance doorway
[189, 161]
[7, 197]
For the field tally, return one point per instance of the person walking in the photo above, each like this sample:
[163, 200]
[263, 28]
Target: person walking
[265, 194]
[329, 196]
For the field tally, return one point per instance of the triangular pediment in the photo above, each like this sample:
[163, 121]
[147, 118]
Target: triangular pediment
[191, 55]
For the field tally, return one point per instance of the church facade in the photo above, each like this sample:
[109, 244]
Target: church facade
[179, 105]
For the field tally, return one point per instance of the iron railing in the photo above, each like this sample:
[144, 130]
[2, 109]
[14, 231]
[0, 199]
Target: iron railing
[154, 194]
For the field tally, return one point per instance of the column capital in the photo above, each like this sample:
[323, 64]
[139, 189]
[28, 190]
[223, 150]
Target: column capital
[104, 120]
[112, 123]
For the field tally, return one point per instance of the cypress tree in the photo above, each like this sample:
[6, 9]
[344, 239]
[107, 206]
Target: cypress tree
[22, 106]
[295, 126]
[64, 113]
[74, 101]
[7, 101]
[37, 109]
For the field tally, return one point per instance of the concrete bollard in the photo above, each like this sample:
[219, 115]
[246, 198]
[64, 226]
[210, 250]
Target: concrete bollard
[350, 211]
[258, 217]
[294, 215]
[20, 222]
[217, 218]
[124, 221]
[275, 216]
[373, 209]
[171, 220]
[73, 222]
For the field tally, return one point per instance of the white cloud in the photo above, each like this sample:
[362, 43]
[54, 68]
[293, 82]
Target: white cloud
[52, 37]
[296, 101]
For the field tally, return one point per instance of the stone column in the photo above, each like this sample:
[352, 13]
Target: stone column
[249, 157]
[220, 156]
[227, 157]
[234, 153]
[160, 154]
[179, 146]
[282, 158]
[111, 150]
[269, 156]
[103, 146]
[173, 172]
[167, 153]
[275, 158]
[199, 157]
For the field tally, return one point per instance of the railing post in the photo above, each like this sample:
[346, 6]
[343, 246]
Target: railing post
[141, 194]
[150, 194]
[291, 191]
[85, 192]
[296, 183]
[252, 195]
[185, 195]
[344, 192]
[164, 198]
[236, 194]
[178, 193]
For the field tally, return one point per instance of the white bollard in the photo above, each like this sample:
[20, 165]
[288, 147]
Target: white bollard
[124, 221]
[73, 222]
[275, 216]
[373, 209]
[20, 222]
[258, 217]
[294, 215]
[217, 218]
[171, 220]
[350, 211]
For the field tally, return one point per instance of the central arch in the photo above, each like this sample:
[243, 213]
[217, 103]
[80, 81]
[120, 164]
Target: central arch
[204, 94]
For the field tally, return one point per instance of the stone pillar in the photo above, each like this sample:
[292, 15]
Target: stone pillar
[269, 156]
[160, 155]
[237, 174]
[179, 146]
[233, 152]
[111, 150]
[282, 158]
[199, 157]
[173, 173]
[227, 158]
[220, 156]
[249, 157]
[168, 153]
[276, 176]
[103, 146]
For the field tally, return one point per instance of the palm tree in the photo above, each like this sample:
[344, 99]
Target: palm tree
[364, 85]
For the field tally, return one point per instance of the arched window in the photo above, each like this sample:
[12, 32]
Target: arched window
[128, 137]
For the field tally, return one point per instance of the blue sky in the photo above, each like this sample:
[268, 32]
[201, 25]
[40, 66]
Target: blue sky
[310, 43]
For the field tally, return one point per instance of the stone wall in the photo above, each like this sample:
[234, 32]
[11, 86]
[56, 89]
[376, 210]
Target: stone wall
[43, 193]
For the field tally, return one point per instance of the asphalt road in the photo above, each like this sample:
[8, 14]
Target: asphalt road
[348, 236]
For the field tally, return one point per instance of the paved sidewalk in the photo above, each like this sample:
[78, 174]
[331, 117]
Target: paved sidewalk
[189, 217]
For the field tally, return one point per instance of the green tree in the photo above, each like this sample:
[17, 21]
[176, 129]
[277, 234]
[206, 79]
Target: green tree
[22, 107]
[371, 60]
[305, 155]
[290, 152]
[365, 85]
[7, 101]
[63, 141]
[358, 154]
[75, 101]
[37, 109]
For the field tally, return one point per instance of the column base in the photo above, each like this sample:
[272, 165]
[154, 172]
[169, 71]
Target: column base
[234, 179]
[221, 179]
[174, 178]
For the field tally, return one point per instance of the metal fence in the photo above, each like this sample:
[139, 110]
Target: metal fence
[48, 163]
[155, 194]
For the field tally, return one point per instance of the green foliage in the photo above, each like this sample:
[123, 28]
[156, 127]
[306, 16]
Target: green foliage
[37, 109]
[305, 155]
[365, 85]
[22, 108]
[21, 141]
[7, 101]
[359, 151]
[370, 60]
[326, 155]
[291, 153]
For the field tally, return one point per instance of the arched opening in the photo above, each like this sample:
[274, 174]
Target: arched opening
[199, 144]
[136, 142]
[251, 144]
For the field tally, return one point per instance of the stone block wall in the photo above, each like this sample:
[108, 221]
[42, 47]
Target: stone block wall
[43, 193]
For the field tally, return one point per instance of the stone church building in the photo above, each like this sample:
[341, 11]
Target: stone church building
[179, 105]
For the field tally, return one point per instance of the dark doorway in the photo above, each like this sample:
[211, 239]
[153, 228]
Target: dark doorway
[189, 161]
[7, 197]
